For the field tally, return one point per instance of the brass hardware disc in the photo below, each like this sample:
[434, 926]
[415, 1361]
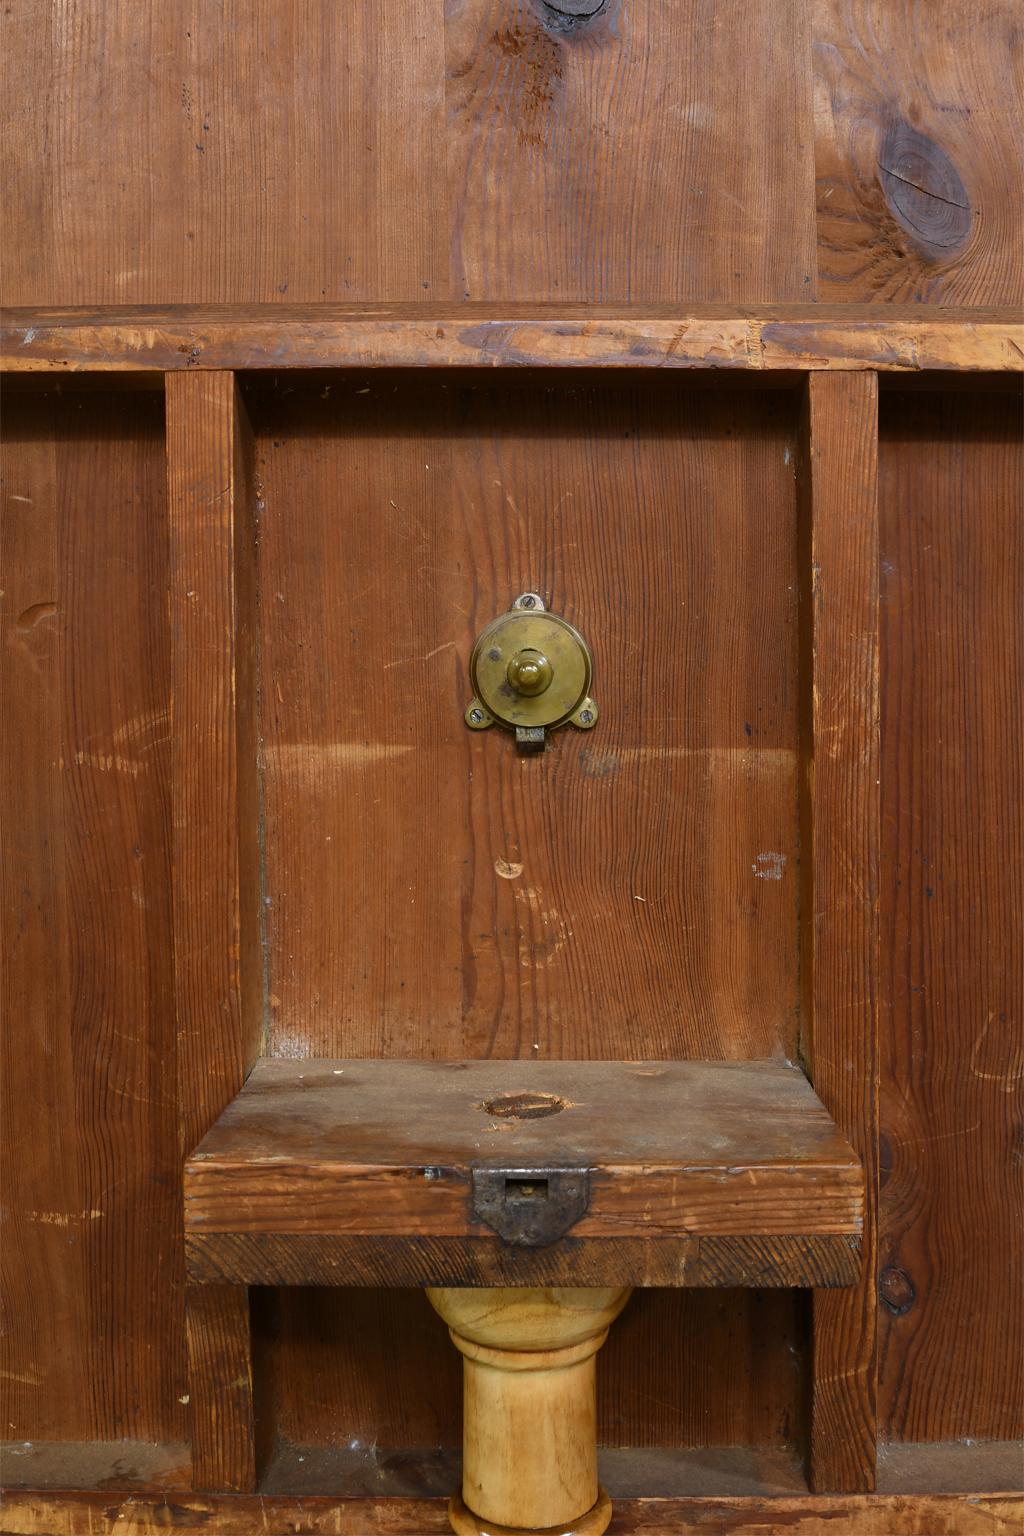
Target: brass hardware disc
[530, 669]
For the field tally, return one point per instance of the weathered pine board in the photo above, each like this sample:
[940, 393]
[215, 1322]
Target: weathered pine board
[709, 1262]
[839, 875]
[91, 1159]
[363, 1148]
[951, 1261]
[398, 519]
[919, 163]
[789, 338]
[489, 149]
[215, 875]
[221, 1388]
[109, 1514]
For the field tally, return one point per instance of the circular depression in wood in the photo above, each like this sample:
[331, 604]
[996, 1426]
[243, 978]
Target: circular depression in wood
[524, 1106]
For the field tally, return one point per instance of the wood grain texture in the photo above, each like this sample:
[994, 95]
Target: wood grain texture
[839, 876]
[220, 1388]
[214, 798]
[278, 150]
[295, 1259]
[919, 163]
[746, 339]
[486, 149]
[91, 1170]
[951, 1344]
[672, 803]
[506, 894]
[363, 1147]
[101, 1514]
[603, 147]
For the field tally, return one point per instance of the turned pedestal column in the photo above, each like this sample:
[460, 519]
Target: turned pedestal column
[529, 1414]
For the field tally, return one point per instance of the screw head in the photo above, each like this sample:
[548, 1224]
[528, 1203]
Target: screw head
[586, 717]
[529, 601]
[476, 715]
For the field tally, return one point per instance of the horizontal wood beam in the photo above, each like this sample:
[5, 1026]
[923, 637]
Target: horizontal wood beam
[792, 338]
[109, 1514]
[710, 1262]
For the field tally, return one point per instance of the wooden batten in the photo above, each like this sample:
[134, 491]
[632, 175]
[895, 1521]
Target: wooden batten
[217, 1327]
[839, 876]
[214, 790]
[787, 338]
[215, 850]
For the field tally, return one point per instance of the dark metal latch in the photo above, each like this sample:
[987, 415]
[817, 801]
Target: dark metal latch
[530, 1207]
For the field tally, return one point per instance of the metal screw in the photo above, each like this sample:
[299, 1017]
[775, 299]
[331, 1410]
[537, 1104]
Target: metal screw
[476, 715]
[529, 601]
[586, 716]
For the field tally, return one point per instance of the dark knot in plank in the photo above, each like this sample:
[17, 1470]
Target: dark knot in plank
[924, 191]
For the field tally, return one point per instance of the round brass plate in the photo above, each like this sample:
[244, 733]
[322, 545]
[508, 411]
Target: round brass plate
[546, 654]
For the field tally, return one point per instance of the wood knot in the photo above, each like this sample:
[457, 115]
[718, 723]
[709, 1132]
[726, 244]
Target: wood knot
[897, 1290]
[524, 1106]
[569, 15]
[923, 191]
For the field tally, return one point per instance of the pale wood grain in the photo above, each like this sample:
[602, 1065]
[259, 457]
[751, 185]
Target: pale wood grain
[797, 338]
[529, 1443]
[106, 1514]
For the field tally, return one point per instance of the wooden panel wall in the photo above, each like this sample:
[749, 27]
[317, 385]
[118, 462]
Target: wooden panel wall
[433, 894]
[630, 893]
[300, 150]
[952, 1350]
[842, 150]
[91, 1247]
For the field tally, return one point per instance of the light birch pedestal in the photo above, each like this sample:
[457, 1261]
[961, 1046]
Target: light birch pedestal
[527, 1198]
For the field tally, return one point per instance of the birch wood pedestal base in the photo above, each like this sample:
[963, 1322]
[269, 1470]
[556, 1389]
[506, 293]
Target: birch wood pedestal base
[529, 1449]
[527, 1198]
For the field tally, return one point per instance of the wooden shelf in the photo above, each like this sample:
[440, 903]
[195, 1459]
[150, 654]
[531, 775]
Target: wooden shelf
[791, 338]
[361, 1172]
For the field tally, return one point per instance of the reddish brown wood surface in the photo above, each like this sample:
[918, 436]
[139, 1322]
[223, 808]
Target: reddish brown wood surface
[744, 339]
[158, 155]
[839, 876]
[432, 893]
[491, 150]
[289, 1259]
[919, 170]
[215, 873]
[507, 893]
[220, 1389]
[952, 1223]
[40, 1514]
[90, 1246]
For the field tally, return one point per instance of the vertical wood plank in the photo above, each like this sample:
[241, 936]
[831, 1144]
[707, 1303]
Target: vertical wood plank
[215, 848]
[36, 1379]
[221, 1389]
[839, 875]
[215, 840]
[88, 1116]
[951, 1210]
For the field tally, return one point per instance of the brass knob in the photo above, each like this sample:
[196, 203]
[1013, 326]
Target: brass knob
[529, 672]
